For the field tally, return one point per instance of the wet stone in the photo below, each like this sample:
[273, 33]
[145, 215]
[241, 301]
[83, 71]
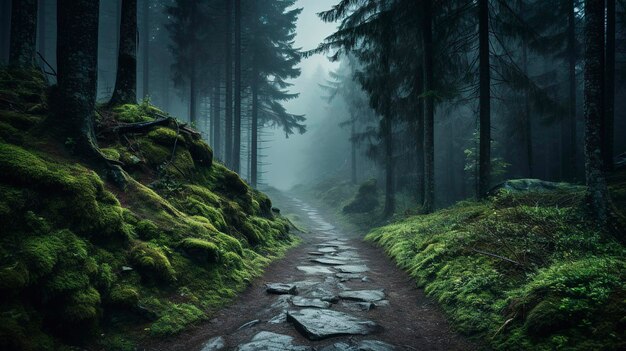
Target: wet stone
[268, 341]
[357, 268]
[317, 324]
[281, 288]
[375, 345]
[316, 253]
[328, 261]
[278, 319]
[363, 295]
[359, 306]
[214, 344]
[344, 277]
[304, 302]
[315, 270]
[282, 302]
[327, 249]
[381, 303]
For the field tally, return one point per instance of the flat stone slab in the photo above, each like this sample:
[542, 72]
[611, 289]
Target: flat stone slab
[304, 302]
[281, 288]
[327, 249]
[268, 341]
[344, 277]
[363, 295]
[315, 270]
[317, 324]
[359, 306]
[328, 261]
[316, 253]
[278, 319]
[353, 268]
[214, 344]
[364, 345]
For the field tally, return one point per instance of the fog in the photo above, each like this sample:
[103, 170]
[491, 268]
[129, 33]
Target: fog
[286, 161]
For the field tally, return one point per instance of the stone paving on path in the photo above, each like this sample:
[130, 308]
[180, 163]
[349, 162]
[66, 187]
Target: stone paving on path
[322, 306]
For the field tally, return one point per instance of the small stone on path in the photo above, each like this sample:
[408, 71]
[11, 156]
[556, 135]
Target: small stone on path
[249, 324]
[327, 249]
[353, 268]
[214, 344]
[281, 288]
[315, 270]
[268, 341]
[328, 261]
[304, 302]
[362, 295]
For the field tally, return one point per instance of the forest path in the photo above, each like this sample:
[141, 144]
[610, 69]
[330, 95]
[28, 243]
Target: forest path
[350, 296]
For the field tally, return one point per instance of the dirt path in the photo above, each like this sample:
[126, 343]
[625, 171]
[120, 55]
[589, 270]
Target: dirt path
[399, 318]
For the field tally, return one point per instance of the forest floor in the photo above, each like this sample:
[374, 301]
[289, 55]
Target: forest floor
[403, 317]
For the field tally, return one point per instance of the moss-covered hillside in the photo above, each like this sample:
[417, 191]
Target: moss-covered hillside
[83, 262]
[521, 271]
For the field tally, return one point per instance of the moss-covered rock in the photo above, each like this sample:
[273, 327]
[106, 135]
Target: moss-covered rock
[366, 199]
[201, 250]
[152, 263]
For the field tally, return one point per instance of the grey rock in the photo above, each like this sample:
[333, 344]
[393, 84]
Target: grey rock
[363, 295]
[327, 249]
[304, 302]
[344, 277]
[316, 253]
[282, 302]
[214, 344]
[381, 303]
[374, 345]
[339, 346]
[268, 341]
[278, 319]
[281, 288]
[328, 261]
[315, 270]
[317, 324]
[359, 306]
[357, 268]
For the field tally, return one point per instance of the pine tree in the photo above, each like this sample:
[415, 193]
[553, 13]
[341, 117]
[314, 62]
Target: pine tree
[484, 157]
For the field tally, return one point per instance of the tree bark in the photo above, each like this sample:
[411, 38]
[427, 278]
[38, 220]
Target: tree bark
[126, 80]
[23, 33]
[146, 48]
[597, 192]
[609, 92]
[254, 147]
[228, 108]
[528, 131]
[237, 127]
[419, 134]
[484, 157]
[429, 110]
[217, 120]
[568, 125]
[387, 127]
[41, 38]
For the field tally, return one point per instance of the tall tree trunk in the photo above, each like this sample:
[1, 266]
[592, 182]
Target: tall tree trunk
[193, 94]
[228, 108]
[353, 177]
[528, 131]
[23, 33]
[217, 120]
[237, 127]
[594, 70]
[419, 134]
[254, 147]
[77, 61]
[568, 126]
[484, 156]
[609, 92]
[41, 44]
[126, 80]
[146, 48]
[429, 110]
[387, 129]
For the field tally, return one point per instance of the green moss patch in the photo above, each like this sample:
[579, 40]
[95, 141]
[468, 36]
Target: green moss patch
[518, 271]
[80, 258]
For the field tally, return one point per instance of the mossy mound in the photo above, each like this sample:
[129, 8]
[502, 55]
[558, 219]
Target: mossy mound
[80, 258]
[521, 271]
[366, 199]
